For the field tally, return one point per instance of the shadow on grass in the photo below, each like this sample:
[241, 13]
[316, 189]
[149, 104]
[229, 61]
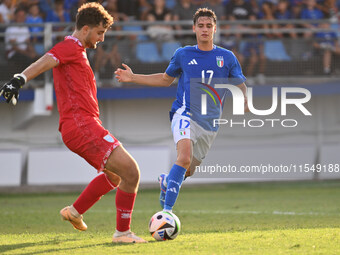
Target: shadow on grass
[10, 247]
[6, 248]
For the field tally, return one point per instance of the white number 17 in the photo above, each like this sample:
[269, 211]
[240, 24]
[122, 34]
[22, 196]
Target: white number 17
[210, 72]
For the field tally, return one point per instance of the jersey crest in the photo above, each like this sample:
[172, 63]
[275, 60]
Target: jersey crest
[220, 61]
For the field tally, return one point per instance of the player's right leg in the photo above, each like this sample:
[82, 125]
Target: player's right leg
[177, 173]
[162, 180]
[122, 163]
[180, 126]
[190, 153]
[94, 144]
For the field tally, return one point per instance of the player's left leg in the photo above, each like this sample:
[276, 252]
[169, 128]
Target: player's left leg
[200, 148]
[194, 163]
[98, 187]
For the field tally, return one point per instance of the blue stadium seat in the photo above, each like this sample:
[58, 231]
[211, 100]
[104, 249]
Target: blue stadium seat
[136, 28]
[336, 28]
[275, 50]
[147, 52]
[168, 49]
[170, 4]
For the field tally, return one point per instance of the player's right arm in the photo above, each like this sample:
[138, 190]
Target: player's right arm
[40, 66]
[10, 90]
[154, 80]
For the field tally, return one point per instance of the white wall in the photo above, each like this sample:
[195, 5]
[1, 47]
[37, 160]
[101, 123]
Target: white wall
[143, 127]
[10, 174]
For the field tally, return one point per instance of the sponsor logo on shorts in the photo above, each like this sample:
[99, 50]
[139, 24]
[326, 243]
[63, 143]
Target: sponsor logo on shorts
[108, 138]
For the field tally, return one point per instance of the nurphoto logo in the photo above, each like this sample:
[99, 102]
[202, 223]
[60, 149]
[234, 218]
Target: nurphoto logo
[239, 107]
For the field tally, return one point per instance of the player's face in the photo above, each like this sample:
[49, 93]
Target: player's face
[94, 36]
[205, 29]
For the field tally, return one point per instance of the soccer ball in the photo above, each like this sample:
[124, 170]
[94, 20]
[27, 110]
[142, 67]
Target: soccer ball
[164, 226]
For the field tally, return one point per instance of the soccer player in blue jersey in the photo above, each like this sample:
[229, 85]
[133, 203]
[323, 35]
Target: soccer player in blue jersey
[193, 136]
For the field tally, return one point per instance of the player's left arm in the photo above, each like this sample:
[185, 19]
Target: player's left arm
[243, 87]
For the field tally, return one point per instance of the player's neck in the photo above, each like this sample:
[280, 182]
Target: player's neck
[77, 35]
[205, 46]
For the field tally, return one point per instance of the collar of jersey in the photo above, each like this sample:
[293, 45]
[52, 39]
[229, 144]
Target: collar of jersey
[74, 39]
[196, 46]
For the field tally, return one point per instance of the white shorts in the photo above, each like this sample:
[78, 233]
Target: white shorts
[184, 128]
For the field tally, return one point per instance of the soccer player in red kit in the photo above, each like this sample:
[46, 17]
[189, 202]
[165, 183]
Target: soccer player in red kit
[79, 123]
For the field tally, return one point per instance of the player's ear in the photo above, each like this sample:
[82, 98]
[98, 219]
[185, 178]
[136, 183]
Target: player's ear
[85, 29]
[193, 28]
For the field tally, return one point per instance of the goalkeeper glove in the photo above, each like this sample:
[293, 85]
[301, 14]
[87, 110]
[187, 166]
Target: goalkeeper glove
[10, 90]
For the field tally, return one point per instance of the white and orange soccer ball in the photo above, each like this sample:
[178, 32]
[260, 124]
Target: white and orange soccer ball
[164, 226]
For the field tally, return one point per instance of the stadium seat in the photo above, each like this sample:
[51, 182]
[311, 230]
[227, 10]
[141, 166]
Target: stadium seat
[170, 4]
[274, 50]
[136, 29]
[336, 28]
[147, 52]
[168, 49]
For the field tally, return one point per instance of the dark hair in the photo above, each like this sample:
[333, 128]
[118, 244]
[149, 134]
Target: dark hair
[204, 12]
[93, 14]
[19, 9]
[61, 2]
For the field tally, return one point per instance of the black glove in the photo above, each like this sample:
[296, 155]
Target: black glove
[10, 90]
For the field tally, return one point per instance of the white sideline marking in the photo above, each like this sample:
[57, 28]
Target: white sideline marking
[250, 212]
[200, 212]
[228, 212]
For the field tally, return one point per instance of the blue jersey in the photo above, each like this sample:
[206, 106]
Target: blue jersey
[196, 67]
[327, 37]
[311, 14]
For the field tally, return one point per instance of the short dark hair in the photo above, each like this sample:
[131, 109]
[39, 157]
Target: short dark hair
[204, 12]
[19, 9]
[93, 14]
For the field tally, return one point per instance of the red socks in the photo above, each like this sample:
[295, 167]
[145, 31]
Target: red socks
[124, 205]
[98, 187]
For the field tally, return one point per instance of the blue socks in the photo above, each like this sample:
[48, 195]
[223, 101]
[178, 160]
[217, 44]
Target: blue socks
[174, 180]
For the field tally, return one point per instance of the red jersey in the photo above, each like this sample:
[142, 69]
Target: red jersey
[75, 85]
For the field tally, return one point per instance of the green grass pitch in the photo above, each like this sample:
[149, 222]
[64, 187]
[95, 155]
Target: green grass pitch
[253, 218]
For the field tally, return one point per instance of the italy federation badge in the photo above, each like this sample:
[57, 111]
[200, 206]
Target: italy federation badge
[219, 61]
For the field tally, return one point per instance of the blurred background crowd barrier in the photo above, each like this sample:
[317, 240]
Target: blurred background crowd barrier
[267, 50]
